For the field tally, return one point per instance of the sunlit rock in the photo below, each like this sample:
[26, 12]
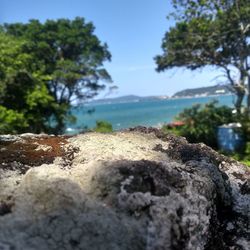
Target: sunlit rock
[136, 189]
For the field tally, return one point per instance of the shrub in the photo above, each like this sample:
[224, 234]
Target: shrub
[243, 157]
[201, 122]
[103, 127]
[11, 121]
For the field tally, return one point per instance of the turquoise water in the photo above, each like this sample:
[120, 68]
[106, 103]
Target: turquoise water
[147, 113]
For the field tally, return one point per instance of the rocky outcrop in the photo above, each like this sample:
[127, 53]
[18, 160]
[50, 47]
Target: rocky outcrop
[135, 189]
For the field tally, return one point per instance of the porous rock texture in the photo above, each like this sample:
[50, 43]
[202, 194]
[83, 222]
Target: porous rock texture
[134, 189]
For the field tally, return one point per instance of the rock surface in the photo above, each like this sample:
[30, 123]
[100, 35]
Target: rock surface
[136, 189]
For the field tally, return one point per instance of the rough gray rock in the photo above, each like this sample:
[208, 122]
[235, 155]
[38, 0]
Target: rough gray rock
[137, 189]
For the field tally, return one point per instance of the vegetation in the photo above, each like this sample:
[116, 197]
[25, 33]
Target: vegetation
[25, 102]
[11, 121]
[44, 69]
[103, 127]
[211, 33]
[243, 156]
[201, 122]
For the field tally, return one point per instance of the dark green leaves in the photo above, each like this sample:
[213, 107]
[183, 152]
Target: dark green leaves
[45, 67]
[210, 33]
[201, 122]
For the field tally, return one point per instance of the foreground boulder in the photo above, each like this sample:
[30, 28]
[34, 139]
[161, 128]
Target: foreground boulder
[136, 189]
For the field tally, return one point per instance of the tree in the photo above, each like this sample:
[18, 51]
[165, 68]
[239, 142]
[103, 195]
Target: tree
[71, 58]
[11, 121]
[25, 103]
[211, 33]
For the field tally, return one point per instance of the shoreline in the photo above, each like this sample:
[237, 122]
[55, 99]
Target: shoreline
[148, 113]
[91, 104]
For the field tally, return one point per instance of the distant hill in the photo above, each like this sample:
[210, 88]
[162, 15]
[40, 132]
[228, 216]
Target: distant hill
[127, 98]
[204, 91]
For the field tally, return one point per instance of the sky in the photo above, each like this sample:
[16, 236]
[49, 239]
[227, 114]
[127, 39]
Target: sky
[133, 30]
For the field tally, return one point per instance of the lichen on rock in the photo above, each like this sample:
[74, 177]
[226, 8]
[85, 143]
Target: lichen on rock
[135, 189]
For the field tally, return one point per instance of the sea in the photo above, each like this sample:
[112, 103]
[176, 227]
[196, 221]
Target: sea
[144, 113]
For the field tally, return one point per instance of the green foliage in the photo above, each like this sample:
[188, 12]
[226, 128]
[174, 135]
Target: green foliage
[45, 67]
[11, 121]
[103, 127]
[172, 130]
[210, 33]
[201, 122]
[23, 94]
[244, 120]
[244, 156]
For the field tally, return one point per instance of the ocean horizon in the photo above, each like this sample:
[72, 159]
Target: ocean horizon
[123, 115]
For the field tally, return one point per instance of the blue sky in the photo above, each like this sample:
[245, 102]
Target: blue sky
[133, 30]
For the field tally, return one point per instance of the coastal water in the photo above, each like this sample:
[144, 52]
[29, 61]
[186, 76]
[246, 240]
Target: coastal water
[145, 113]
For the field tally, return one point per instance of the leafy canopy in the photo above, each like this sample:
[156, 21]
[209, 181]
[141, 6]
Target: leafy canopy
[48, 67]
[210, 33]
[24, 98]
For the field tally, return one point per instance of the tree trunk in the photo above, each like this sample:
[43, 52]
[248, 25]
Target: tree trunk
[240, 93]
[248, 94]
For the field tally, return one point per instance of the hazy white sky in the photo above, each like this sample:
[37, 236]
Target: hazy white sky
[133, 30]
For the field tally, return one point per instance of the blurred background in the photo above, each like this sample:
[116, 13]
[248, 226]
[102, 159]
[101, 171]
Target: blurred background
[67, 67]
